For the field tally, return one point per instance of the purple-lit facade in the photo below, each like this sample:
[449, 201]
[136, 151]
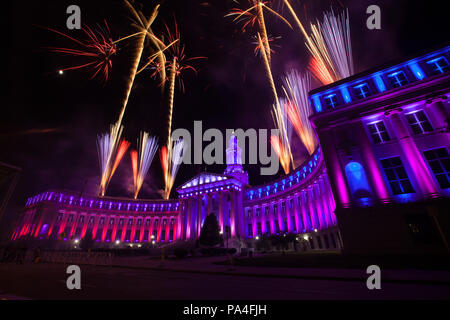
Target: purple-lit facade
[108, 220]
[384, 135]
[301, 203]
[378, 182]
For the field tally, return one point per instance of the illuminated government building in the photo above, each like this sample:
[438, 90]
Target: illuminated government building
[378, 182]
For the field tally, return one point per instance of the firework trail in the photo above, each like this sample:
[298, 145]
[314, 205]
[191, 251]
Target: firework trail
[98, 48]
[296, 88]
[320, 57]
[108, 147]
[281, 152]
[175, 66]
[255, 15]
[333, 35]
[141, 161]
[108, 151]
[170, 162]
[277, 115]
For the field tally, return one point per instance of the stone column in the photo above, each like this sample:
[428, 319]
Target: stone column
[439, 112]
[336, 174]
[413, 156]
[372, 167]
[233, 213]
[220, 218]
[325, 204]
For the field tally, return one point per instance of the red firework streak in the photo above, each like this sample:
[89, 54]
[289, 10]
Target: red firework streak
[121, 150]
[97, 47]
[134, 164]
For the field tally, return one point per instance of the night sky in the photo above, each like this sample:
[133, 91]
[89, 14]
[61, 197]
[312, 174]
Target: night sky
[49, 122]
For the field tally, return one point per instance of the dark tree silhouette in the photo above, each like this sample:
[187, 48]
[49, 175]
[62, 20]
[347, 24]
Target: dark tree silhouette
[210, 233]
[87, 242]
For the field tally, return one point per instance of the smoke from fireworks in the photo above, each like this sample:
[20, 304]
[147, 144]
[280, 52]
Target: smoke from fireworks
[296, 88]
[141, 161]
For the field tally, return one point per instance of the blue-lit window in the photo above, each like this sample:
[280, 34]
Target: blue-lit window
[250, 230]
[439, 162]
[362, 90]
[397, 176]
[331, 100]
[419, 122]
[439, 65]
[268, 227]
[266, 211]
[378, 132]
[397, 79]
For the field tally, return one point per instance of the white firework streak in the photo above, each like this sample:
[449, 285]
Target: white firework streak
[296, 88]
[147, 150]
[334, 32]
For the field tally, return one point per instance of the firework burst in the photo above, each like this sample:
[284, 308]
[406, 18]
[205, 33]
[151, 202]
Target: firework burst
[97, 49]
[171, 157]
[296, 88]
[109, 148]
[333, 36]
[141, 161]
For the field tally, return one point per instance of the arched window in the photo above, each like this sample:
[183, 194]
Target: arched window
[357, 180]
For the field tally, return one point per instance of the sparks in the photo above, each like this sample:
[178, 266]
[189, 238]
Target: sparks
[296, 88]
[141, 161]
[97, 47]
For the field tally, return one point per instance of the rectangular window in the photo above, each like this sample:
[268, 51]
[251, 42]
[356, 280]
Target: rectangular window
[294, 227]
[397, 79]
[275, 209]
[59, 218]
[331, 100]
[171, 235]
[419, 122]
[396, 175]
[102, 221]
[439, 162]
[266, 211]
[285, 224]
[147, 222]
[378, 132]
[128, 235]
[163, 235]
[277, 226]
[268, 227]
[439, 65]
[258, 226]
[283, 207]
[258, 212]
[136, 235]
[145, 235]
[362, 90]
[250, 230]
